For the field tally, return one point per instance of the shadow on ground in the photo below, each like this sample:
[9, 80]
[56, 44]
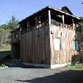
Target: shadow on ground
[71, 76]
[20, 64]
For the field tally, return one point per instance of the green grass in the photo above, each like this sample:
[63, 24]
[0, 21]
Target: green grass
[2, 65]
[78, 66]
[6, 48]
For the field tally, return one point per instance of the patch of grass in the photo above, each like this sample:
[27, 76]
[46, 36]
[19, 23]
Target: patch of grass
[2, 65]
[78, 66]
[6, 49]
[70, 66]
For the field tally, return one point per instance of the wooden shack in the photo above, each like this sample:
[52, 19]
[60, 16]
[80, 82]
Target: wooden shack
[50, 37]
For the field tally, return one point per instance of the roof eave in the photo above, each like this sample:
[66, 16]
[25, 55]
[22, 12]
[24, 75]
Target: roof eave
[51, 8]
[65, 13]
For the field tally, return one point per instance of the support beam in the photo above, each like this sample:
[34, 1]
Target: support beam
[49, 17]
[36, 22]
[73, 24]
[27, 25]
[63, 20]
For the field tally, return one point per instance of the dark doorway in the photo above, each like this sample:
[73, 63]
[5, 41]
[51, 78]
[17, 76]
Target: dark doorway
[16, 50]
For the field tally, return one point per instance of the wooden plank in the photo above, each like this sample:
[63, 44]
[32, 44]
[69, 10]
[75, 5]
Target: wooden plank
[66, 53]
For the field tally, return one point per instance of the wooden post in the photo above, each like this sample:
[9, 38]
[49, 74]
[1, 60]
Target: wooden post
[63, 20]
[49, 17]
[36, 22]
[27, 25]
[73, 24]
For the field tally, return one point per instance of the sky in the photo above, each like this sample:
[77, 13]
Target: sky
[24, 8]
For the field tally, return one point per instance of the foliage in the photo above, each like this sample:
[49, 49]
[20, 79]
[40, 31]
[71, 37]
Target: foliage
[2, 65]
[81, 24]
[5, 34]
[76, 65]
[4, 26]
[5, 40]
[12, 24]
[6, 48]
[71, 66]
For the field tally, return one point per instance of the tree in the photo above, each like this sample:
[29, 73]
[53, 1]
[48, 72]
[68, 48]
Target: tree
[81, 24]
[4, 26]
[13, 23]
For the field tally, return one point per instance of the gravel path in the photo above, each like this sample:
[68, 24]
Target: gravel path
[40, 75]
[24, 75]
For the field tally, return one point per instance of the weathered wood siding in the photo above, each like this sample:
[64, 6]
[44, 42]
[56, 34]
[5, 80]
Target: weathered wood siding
[35, 46]
[81, 47]
[66, 54]
[13, 38]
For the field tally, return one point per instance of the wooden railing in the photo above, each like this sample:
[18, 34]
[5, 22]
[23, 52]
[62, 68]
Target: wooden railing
[61, 25]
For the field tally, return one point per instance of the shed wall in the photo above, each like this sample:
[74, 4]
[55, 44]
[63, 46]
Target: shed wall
[35, 46]
[13, 36]
[66, 54]
[81, 47]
